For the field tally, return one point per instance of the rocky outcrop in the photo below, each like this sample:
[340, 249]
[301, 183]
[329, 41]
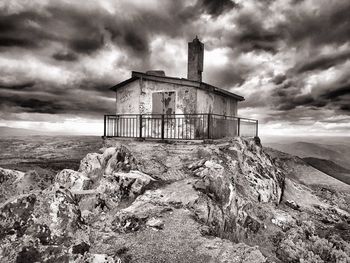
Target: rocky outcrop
[72, 180]
[8, 179]
[16, 182]
[39, 221]
[138, 202]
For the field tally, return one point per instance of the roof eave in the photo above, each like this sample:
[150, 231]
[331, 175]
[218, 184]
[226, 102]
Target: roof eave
[180, 81]
[123, 83]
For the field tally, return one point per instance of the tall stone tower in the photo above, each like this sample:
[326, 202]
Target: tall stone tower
[195, 60]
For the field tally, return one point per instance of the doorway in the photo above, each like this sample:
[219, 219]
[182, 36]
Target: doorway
[163, 102]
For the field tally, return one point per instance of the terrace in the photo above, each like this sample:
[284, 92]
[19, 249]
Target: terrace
[178, 126]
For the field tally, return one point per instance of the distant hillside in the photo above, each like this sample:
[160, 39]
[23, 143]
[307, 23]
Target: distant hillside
[330, 168]
[7, 131]
[299, 170]
[337, 153]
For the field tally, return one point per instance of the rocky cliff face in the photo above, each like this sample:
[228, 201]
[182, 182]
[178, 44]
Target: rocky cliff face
[150, 202]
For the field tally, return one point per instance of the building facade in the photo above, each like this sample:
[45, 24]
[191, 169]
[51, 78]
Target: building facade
[151, 104]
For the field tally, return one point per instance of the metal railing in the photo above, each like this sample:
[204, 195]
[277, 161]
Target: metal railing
[178, 126]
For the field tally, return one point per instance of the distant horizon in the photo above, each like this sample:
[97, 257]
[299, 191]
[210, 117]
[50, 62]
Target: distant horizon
[268, 137]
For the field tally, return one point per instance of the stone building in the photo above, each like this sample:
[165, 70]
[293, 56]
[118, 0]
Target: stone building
[153, 105]
[155, 93]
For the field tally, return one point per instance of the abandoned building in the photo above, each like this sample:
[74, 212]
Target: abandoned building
[153, 105]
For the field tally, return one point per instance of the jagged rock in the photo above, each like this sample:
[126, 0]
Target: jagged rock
[134, 217]
[112, 189]
[292, 204]
[196, 165]
[15, 182]
[107, 154]
[155, 223]
[252, 224]
[91, 165]
[28, 182]
[283, 220]
[15, 215]
[153, 167]
[37, 223]
[72, 180]
[154, 203]
[121, 160]
[131, 184]
[8, 182]
[10, 175]
[80, 248]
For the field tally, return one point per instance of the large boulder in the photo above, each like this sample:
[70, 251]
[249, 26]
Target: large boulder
[8, 182]
[153, 203]
[40, 226]
[16, 182]
[72, 180]
[110, 190]
[121, 160]
[91, 165]
[131, 184]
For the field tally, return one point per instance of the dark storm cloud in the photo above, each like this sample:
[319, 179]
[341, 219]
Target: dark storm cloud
[251, 34]
[65, 56]
[279, 79]
[69, 103]
[334, 95]
[217, 7]
[327, 23]
[21, 86]
[85, 31]
[323, 62]
[301, 100]
[99, 86]
[338, 92]
[10, 42]
[81, 32]
[26, 103]
[228, 75]
[18, 30]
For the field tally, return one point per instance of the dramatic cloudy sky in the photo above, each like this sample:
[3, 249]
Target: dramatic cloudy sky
[289, 58]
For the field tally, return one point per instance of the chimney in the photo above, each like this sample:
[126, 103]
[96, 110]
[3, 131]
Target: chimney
[195, 60]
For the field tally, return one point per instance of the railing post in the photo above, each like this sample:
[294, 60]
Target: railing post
[239, 127]
[257, 127]
[162, 127]
[209, 123]
[140, 128]
[104, 126]
[116, 125]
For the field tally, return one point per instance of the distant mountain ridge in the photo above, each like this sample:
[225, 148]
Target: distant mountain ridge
[330, 168]
[337, 153]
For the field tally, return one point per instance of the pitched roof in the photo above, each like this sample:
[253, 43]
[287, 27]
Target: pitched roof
[180, 81]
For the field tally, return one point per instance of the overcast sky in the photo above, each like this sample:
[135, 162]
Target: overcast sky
[290, 59]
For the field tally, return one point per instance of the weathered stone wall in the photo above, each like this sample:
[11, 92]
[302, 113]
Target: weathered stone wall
[185, 96]
[214, 103]
[128, 99]
[136, 98]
